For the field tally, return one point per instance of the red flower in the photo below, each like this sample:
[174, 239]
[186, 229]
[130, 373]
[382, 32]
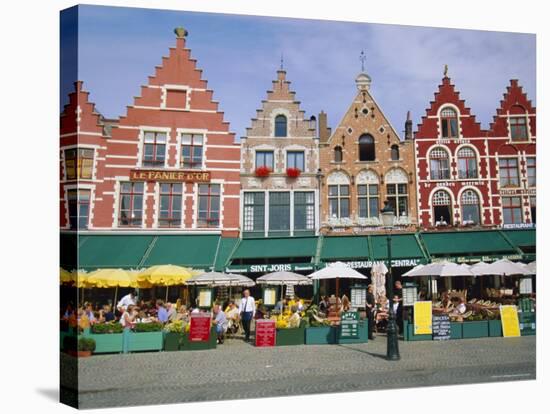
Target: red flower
[262, 171]
[293, 172]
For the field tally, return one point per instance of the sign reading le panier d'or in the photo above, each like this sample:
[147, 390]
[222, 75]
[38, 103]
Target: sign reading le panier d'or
[186, 176]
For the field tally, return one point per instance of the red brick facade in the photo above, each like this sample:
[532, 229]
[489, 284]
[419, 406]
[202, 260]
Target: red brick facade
[460, 183]
[175, 115]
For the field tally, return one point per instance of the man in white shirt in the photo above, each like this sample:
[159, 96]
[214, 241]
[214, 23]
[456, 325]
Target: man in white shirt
[129, 299]
[247, 310]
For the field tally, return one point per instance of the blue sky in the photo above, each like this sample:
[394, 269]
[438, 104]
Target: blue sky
[239, 55]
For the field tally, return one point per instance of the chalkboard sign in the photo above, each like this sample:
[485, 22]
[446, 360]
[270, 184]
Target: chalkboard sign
[441, 327]
[349, 325]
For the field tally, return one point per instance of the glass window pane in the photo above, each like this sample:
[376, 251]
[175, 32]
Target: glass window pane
[138, 187]
[197, 139]
[361, 190]
[344, 207]
[332, 190]
[149, 137]
[186, 139]
[373, 206]
[161, 137]
[373, 189]
[344, 190]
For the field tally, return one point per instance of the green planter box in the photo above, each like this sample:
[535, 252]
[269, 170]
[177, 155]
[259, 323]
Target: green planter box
[527, 323]
[408, 333]
[475, 329]
[495, 327]
[106, 343]
[187, 345]
[145, 341]
[291, 336]
[456, 330]
[321, 335]
[363, 335]
[173, 341]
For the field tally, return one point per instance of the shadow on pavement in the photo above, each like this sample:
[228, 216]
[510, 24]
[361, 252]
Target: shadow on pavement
[49, 393]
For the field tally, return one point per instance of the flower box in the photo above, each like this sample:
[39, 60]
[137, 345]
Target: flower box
[290, 336]
[408, 333]
[187, 345]
[293, 172]
[363, 335]
[262, 172]
[173, 341]
[456, 330]
[106, 343]
[145, 341]
[320, 335]
[495, 327]
[475, 329]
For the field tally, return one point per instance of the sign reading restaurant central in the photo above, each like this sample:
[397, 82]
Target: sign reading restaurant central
[170, 176]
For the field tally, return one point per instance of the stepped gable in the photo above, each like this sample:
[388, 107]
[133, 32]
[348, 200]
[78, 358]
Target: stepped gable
[447, 94]
[514, 102]
[79, 115]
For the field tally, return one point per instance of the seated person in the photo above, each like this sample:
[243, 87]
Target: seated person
[280, 306]
[345, 303]
[323, 304]
[220, 321]
[294, 320]
[182, 314]
[232, 315]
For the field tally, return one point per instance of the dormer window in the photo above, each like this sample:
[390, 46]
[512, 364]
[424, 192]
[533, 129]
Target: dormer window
[449, 123]
[366, 148]
[338, 154]
[280, 126]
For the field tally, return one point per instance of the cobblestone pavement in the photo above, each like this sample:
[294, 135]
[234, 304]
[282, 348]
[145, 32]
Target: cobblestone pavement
[238, 370]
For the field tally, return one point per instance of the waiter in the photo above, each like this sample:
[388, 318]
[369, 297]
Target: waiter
[371, 306]
[247, 309]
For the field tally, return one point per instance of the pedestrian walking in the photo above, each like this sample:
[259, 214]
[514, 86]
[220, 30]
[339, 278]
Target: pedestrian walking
[371, 304]
[247, 310]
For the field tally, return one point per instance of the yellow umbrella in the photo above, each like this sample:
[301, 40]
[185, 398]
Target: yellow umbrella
[65, 276]
[166, 275]
[109, 278]
[80, 277]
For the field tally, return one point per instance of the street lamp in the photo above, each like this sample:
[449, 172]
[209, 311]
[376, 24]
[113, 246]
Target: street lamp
[392, 352]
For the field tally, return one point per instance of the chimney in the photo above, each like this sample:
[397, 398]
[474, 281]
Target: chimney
[324, 130]
[408, 127]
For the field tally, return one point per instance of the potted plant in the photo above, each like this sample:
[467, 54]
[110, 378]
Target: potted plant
[173, 335]
[293, 172]
[85, 347]
[146, 337]
[262, 171]
[287, 334]
[319, 330]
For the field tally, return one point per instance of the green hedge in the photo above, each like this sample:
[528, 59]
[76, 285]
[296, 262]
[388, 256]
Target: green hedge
[148, 327]
[107, 328]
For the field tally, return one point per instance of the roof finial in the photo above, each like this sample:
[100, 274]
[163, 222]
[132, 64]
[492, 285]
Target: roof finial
[282, 61]
[362, 58]
[445, 70]
[180, 32]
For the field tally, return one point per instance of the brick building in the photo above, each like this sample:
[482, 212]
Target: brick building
[364, 163]
[170, 164]
[280, 160]
[470, 177]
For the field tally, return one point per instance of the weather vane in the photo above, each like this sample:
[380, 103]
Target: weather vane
[362, 58]
[282, 60]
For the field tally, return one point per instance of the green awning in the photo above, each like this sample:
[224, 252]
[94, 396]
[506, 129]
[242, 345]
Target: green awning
[466, 243]
[112, 251]
[344, 247]
[197, 251]
[276, 247]
[403, 246]
[226, 247]
[526, 240]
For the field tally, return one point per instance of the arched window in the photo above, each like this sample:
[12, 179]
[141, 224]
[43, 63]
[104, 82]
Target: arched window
[439, 164]
[467, 163]
[338, 195]
[366, 148]
[395, 152]
[442, 208]
[518, 124]
[449, 123]
[469, 202]
[280, 126]
[338, 156]
[397, 191]
[367, 194]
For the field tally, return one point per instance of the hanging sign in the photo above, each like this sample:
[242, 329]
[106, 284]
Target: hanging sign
[270, 296]
[423, 318]
[199, 331]
[205, 298]
[510, 321]
[170, 176]
[349, 325]
[265, 332]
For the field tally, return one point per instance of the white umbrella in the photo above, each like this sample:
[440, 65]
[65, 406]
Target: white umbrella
[283, 278]
[504, 267]
[479, 268]
[220, 279]
[378, 273]
[443, 269]
[413, 270]
[336, 270]
[532, 267]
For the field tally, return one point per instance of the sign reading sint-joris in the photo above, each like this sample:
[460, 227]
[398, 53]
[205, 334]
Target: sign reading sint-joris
[170, 176]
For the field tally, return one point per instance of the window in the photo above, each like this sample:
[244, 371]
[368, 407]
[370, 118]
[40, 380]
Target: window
[338, 201]
[264, 159]
[154, 149]
[131, 204]
[449, 123]
[304, 210]
[170, 205]
[79, 163]
[338, 156]
[442, 208]
[295, 159]
[467, 163]
[209, 205]
[279, 211]
[280, 126]
[254, 211]
[531, 172]
[367, 200]
[398, 198]
[518, 128]
[366, 148]
[533, 203]
[511, 210]
[439, 164]
[508, 171]
[469, 202]
[395, 152]
[79, 208]
[191, 151]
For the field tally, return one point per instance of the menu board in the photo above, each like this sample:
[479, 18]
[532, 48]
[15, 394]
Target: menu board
[205, 298]
[270, 295]
[526, 286]
[510, 321]
[441, 327]
[199, 330]
[358, 297]
[349, 325]
[423, 318]
[409, 295]
[265, 332]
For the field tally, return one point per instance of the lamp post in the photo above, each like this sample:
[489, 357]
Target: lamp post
[392, 352]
